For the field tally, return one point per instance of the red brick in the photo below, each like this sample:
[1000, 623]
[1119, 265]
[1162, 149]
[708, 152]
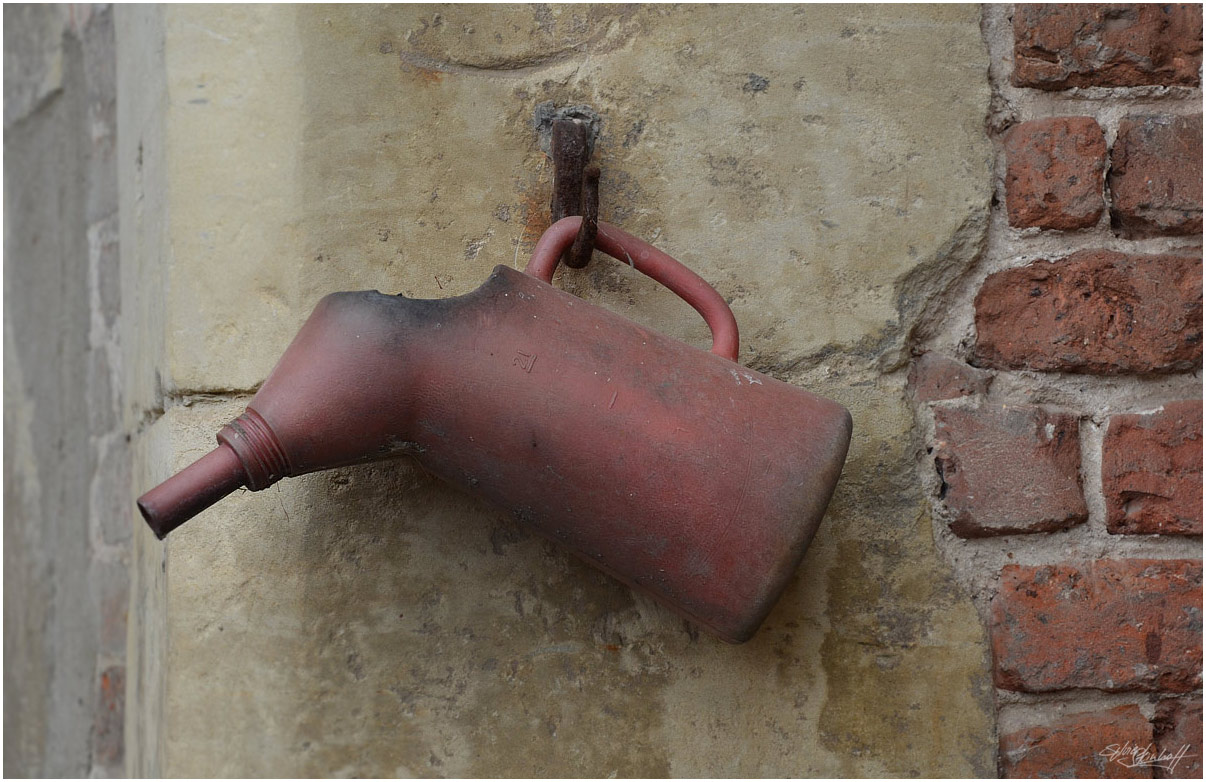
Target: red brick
[934, 377]
[108, 724]
[1060, 45]
[1055, 175]
[1151, 471]
[1009, 469]
[1156, 176]
[1178, 734]
[1095, 311]
[1078, 746]
[1133, 624]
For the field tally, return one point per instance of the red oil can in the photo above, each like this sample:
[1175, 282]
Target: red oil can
[677, 471]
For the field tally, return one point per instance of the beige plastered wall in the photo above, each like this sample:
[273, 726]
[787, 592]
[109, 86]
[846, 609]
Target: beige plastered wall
[825, 168]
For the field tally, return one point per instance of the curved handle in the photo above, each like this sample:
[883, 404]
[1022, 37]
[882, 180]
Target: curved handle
[651, 262]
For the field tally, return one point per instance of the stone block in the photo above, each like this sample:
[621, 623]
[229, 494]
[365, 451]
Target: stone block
[1055, 172]
[1178, 734]
[335, 162]
[1078, 746]
[1096, 311]
[1113, 625]
[1008, 470]
[1061, 45]
[934, 378]
[1151, 471]
[1156, 176]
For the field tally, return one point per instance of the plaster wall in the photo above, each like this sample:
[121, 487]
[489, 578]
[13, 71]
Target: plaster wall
[826, 168]
[67, 525]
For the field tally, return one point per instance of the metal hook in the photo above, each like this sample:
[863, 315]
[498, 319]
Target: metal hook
[575, 188]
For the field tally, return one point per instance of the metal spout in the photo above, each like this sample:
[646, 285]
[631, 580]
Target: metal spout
[192, 490]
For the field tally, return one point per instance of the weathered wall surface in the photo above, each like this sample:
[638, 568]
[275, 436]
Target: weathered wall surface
[820, 166]
[66, 466]
[1011, 309]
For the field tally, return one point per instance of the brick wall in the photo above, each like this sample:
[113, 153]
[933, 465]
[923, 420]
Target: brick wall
[1059, 392]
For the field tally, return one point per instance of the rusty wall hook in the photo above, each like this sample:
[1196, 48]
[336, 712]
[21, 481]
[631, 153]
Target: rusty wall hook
[575, 187]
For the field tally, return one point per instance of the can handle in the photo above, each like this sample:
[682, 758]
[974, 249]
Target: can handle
[651, 262]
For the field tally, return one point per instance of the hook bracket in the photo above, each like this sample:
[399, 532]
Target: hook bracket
[575, 187]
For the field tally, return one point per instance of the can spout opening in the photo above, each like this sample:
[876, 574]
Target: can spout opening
[192, 490]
